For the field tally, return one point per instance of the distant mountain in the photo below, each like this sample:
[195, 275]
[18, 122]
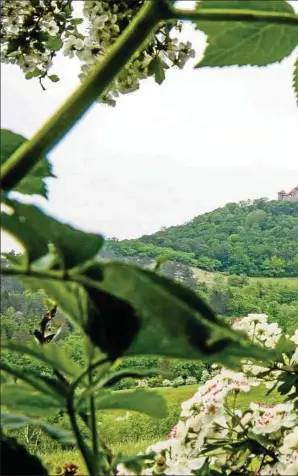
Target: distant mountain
[255, 238]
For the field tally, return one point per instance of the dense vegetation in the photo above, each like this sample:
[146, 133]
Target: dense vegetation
[258, 238]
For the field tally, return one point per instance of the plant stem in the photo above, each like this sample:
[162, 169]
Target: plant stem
[233, 15]
[96, 83]
[80, 442]
[93, 420]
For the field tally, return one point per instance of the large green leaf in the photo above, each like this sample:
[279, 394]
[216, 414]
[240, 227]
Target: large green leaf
[163, 318]
[12, 421]
[33, 183]
[71, 298]
[16, 461]
[31, 226]
[34, 244]
[295, 79]
[19, 397]
[50, 354]
[47, 385]
[247, 43]
[145, 401]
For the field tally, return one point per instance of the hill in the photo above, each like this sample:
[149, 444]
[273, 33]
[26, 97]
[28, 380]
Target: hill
[255, 238]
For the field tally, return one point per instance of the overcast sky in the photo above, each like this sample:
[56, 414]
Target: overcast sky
[165, 153]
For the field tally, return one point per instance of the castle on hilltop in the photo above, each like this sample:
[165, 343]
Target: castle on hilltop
[292, 196]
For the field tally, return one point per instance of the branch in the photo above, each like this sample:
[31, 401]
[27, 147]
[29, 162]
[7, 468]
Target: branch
[96, 83]
[234, 15]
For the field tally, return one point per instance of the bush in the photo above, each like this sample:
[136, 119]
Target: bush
[167, 383]
[126, 384]
[190, 381]
[154, 382]
[178, 382]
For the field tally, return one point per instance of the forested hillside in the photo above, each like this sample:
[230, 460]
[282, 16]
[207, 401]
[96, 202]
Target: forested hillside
[258, 238]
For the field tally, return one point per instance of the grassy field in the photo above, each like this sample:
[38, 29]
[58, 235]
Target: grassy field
[209, 277]
[135, 433]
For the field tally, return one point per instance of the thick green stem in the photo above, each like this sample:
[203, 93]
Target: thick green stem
[233, 15]
[97, 82]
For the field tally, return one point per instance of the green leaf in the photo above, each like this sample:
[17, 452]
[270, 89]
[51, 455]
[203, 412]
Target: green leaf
[246, 43]
[163, 318]
[49, 386]
[156, 68]
[33, 183]
[23, 398]
[76, 21]
[54, 78]
[35, 230]
[29, 75]
[34, 245]
[70, 297]
[50, 354]
[295, 79]
[11, 421]
[145, 401]
[16, 461]
[54, 43]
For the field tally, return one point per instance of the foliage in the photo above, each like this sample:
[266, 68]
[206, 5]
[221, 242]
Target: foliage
[33, 183]
[120, 309]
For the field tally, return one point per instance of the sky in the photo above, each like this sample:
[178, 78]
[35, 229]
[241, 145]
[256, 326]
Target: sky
[165, 153]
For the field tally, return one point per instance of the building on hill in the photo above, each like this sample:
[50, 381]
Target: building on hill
[292, 196]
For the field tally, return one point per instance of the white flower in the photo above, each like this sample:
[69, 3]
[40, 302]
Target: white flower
[100, 21]
[72, 44]
[53, 28]
[290, 442]
[183, 466]
[288, 465]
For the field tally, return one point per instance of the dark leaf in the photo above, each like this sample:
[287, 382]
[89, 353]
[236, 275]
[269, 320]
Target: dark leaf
[33, 183]
[112, 323]
[168, 320]
[16, 461]
[13, 45]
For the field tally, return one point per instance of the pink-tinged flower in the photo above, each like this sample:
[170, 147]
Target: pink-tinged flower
[271, 418]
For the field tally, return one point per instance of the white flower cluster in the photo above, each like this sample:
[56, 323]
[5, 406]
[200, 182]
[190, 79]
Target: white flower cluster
[213, 432]
[33, 32]
[107, 20]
